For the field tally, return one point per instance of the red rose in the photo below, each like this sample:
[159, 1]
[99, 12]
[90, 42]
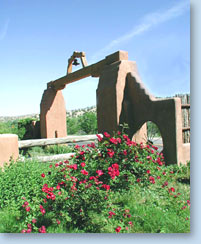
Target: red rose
[99, 138]
[106, 134]
[27, 209]
[118, 229]
[83, 164]
[99, 172]
[84, 172]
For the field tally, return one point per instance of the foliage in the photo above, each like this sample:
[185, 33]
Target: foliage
[119, 186]
[25, 128]
[9, 127]
[19, 127]
[82, 124]
[152, 131]
[88, 123]
[73, 126]
[46, 150]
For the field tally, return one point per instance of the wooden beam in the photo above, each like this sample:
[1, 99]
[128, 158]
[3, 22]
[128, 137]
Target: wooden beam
[186, 128]
[185, 105]
[54, 141]
[91, 70]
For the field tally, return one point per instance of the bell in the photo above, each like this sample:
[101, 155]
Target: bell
[75, 62]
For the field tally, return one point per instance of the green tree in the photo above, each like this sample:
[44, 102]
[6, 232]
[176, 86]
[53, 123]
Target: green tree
[73, 126]
[88, 123]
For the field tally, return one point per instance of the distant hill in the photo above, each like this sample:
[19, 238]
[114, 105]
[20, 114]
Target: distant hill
[69, 113]
[11, 118]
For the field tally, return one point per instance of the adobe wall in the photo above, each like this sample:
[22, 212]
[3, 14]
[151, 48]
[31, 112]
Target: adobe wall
[9, 148]
[110, 95]
[122, 97]
[52, 114]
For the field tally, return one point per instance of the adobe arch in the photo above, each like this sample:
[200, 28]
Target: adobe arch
[121, 97]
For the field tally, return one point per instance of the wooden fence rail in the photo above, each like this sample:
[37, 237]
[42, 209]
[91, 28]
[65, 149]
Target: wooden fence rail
[54, 141]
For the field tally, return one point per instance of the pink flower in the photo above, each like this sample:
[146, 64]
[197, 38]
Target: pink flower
[42, 229]
[27, 209]
[118, 140]
[106, 134]
[110, 214]
[118, 229]
[43, 175]
[58, 221]
[29, 226]
[73, 166]
[113, 171]
[84, 172]
[152, 180]
[92, 178]
[77, 146]
[83, 164]
[172, 189]
[165, 184]
[113, 140]
[148, 171]
[33, 221]
[124, 152]
[99, 138]
[23, 231]
[107, 187]
[154, 147]
[99, 172]
[130, 223]
[138, 180]
[110, 153]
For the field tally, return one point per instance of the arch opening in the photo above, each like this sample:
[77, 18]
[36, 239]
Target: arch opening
[149, 133]
[154, 136]
[81, 107]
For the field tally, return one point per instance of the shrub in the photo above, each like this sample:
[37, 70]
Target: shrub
[119, 186]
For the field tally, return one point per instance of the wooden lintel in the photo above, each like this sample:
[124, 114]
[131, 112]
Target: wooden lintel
[90, 70]
[185, 105]
[185, 128]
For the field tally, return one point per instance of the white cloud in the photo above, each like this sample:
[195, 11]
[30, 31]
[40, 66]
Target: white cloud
[148, 21]
[4, 30]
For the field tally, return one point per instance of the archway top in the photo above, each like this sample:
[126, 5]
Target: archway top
[93, 70]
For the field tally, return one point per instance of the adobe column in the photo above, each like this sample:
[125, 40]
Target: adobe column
[110, 92]
[52, 114]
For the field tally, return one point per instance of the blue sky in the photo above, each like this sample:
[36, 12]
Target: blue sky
[37, 38]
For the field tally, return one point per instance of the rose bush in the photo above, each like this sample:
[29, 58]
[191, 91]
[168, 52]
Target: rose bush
[99, 188]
